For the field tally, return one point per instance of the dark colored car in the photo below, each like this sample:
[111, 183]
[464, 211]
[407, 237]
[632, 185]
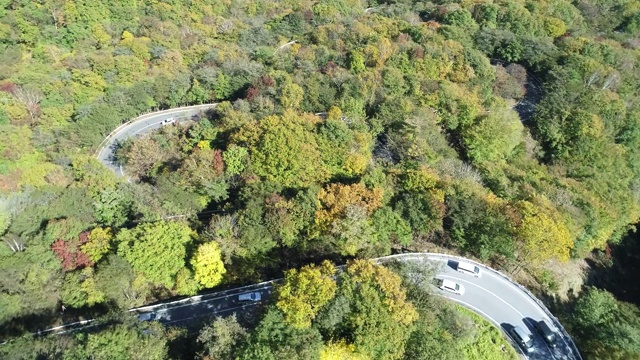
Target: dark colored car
[547, 332]
[522, 338]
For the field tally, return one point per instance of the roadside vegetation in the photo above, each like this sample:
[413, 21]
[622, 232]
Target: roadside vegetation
[489, 342]
[337, 323]
[383, 126]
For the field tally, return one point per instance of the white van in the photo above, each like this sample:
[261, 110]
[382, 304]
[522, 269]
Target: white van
[468, 268]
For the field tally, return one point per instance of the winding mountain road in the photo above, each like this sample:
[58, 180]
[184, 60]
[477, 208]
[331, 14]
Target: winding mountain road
[493, 296]
[140, 126]
[500, 300]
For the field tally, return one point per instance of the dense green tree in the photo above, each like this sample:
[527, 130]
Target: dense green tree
[390, 227]
[381, 318]
[32, 281]
[480, 223]
[30, 347]
[422, 201]
[202, 171]
[156, 250]
[607, 328]
[283, 149]
[112, 208]
[79, 289]
[222, 338]
[493, 138]
[115, 278]
[275, 339]
[235, 158]
[126, 342]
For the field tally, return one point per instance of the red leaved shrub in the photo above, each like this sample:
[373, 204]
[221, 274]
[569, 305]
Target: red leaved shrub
[69, 252]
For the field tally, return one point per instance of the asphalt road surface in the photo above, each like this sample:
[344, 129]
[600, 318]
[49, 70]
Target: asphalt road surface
[504, 304]
[141, 126]
[491, 295]
[183, 312]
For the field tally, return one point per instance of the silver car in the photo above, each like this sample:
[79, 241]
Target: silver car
[253, 296]
[522, 338]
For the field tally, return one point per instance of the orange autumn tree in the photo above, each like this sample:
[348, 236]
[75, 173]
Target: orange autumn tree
[343, 213]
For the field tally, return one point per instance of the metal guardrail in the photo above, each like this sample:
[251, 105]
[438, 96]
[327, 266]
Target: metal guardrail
[555, 320]
[197, 298]
[145, 116]
[380, 260]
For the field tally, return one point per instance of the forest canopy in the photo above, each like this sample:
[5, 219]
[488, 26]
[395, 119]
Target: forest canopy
[507, 131]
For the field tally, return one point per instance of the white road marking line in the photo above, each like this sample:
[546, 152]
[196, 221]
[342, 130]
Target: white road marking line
[215, 312]
[135, 133]
[486, 316]
[208, 300]
[474, 309]
[478, 286]
[535, 305]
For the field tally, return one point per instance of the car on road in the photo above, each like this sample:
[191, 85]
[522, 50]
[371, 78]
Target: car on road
[451, 286]
[547, 332]
[522, 338]
[253, 296]
[168, 121]
[468, 268]
[148, 316]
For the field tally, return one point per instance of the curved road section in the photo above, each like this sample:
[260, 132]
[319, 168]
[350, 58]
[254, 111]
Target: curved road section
[139, 126]
[493, 295]
[500, 300]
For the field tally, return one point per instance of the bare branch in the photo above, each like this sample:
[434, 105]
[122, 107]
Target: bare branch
[611, 81]
[592, 79]
[30, 99]
[15, 244]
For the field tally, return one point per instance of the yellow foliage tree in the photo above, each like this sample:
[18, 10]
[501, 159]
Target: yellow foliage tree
[304, 292]
[208, 265]
[542, 234]
[555, 27]
[292, 95]
[99, 243]
[101, 36]
[340, 351]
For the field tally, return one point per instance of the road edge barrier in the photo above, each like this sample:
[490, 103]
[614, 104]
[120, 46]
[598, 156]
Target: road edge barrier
[144, 117]
[379, 260]
[540, 304]
[407, 256]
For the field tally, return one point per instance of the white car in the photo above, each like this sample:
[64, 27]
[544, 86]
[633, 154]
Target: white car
[451, 286]
[168, 121]
[254, 296]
